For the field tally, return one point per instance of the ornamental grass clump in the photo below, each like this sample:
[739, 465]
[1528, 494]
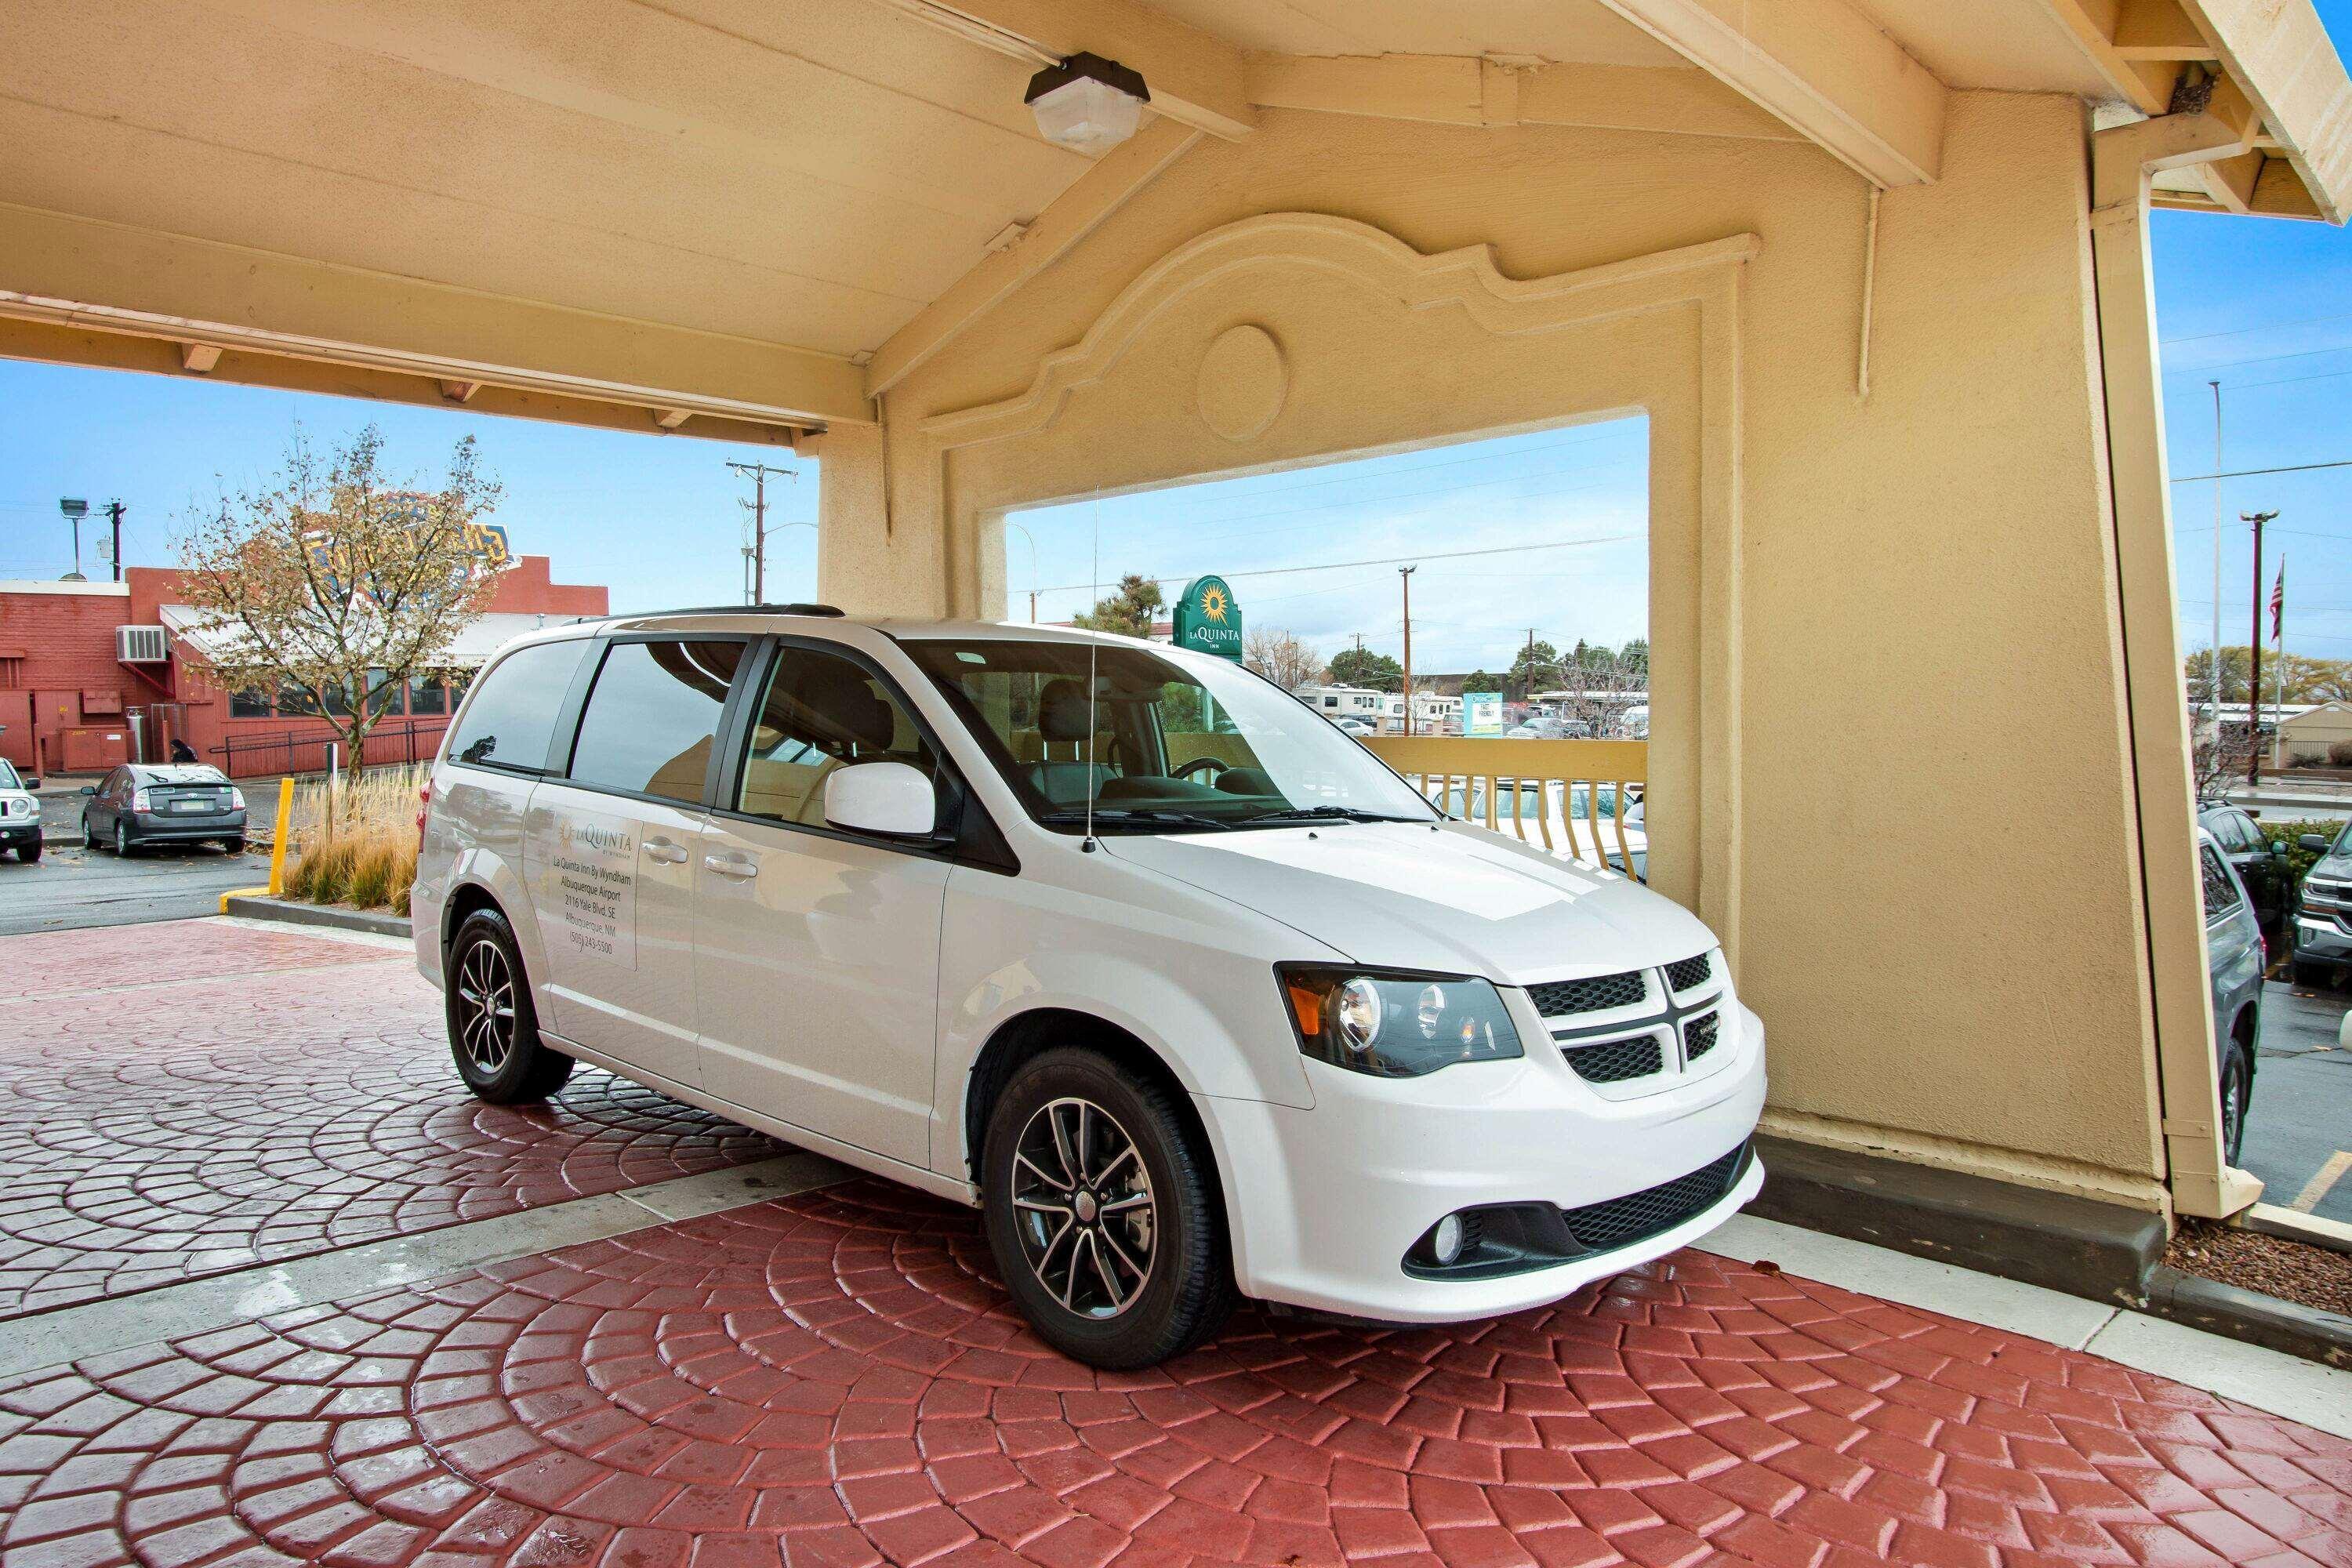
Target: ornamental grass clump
[362, 851]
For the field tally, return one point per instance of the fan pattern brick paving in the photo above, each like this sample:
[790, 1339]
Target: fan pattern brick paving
[192, 1098]
[835, 1381]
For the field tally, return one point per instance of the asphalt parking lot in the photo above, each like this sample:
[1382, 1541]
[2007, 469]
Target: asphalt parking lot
[2299, 1123]
[70, 887]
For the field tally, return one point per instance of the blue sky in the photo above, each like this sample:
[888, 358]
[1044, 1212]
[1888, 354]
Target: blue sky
[2264, 307]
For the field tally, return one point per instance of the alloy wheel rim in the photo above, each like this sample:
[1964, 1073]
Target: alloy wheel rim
[2230, 1116]
[1083, 1204]
[486, 1007]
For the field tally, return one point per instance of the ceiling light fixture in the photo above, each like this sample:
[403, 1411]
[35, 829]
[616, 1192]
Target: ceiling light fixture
[1087, 103]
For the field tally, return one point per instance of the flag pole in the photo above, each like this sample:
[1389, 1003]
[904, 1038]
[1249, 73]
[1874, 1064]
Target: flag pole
[2278, 643]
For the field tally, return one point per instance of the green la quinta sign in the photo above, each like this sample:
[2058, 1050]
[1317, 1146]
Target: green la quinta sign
[1207, 619]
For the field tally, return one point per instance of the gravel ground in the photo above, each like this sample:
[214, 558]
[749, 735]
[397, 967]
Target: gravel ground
[2291, 1271]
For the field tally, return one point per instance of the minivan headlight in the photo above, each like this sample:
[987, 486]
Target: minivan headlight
[1395, 1025]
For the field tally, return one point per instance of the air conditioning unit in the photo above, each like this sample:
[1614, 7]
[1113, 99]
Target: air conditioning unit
[142, 645]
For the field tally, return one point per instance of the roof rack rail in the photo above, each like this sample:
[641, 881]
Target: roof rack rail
[829, 611]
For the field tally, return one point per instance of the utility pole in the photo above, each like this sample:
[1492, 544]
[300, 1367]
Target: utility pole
[114, 511]
[1404, 575]
[1528, 665]
[760, 472]
[2254, 648]
[2213, 663]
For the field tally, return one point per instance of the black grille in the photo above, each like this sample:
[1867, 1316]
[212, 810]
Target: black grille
[1636, 1216]
[1618, 1061]
[1690, 972]
[1588, 996]
[1699, 1035]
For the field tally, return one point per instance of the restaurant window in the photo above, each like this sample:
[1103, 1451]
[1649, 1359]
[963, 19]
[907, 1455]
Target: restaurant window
[248, 704]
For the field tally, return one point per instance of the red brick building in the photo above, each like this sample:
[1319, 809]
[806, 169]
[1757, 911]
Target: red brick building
[92, 674]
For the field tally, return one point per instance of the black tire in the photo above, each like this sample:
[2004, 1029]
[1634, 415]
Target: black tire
[89, 836]
[2237, 1090]
[233, 845]
[2313, 976]
[493, 1028]
[28, 853]
[122, 839]
[1185, 1288]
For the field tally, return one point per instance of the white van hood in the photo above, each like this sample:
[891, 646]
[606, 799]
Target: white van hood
[1457, 900]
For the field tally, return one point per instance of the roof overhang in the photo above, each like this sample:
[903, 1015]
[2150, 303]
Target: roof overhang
[728, 218]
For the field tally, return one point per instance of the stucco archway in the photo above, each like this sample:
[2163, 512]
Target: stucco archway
[1298, 337]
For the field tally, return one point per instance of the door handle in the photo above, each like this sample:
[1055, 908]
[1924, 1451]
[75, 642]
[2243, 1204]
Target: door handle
[732, 864]
[668, 851]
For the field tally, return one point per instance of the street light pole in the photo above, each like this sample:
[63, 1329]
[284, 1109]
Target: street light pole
[75, 508]
[1404, 575]
[1033, 566]
[114, 511]
[2254, 647]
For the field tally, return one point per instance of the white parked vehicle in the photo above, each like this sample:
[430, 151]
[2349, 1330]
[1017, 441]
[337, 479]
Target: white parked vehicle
[1560, 818]
[1356, 727]
[1189, 1014]
[20, 812]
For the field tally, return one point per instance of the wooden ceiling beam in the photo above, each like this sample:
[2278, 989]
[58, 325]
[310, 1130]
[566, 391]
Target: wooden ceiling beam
[1101, 191]
[1819, 66]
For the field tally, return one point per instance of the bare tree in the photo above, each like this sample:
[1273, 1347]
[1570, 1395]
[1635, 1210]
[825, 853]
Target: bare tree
[1281, 657]
[330, 583]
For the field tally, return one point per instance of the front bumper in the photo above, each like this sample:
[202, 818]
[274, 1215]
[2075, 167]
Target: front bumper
[18, 830]
[1326, 1202]
[2320, 939]
[165, 827]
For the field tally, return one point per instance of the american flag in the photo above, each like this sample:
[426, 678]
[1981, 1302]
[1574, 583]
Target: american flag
[2278, 599]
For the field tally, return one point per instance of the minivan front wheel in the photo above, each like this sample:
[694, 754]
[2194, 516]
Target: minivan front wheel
[1103, 1213]
[493, 1028]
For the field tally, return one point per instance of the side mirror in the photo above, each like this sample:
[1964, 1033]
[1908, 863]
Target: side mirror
[891, 800]
[90, 789]
[32, 784]
[2278, 848]
[2313, 842]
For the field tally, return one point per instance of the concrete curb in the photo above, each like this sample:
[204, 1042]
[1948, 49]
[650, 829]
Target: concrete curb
[375, 921]
[2241, 1314]
[2101, 1251]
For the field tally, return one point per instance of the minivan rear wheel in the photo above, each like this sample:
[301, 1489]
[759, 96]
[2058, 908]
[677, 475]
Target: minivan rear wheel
[1103, 1212]
[493, 1028]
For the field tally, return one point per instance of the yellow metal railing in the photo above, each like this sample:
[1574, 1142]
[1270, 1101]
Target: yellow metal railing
[1507, 785]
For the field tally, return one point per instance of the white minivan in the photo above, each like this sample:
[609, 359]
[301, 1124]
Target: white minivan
[1124, 945]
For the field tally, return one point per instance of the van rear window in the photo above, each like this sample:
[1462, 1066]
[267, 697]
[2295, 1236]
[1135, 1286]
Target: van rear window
[512, 716]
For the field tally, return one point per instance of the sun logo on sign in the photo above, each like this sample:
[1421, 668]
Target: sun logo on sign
[1213, 603]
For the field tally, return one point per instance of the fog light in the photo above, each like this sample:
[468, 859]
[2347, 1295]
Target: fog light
[1446, 1241]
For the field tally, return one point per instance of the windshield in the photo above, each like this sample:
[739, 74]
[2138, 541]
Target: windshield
[1179, 744]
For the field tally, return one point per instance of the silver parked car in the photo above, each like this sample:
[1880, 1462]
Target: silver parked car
[179, 803]
[2238, 956]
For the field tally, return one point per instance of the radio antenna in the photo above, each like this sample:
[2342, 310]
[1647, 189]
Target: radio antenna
[1095, 516]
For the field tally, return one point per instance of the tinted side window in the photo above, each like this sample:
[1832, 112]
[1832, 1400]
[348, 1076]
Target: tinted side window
[513, 716]
[2220, 887]
[821, 713]
[653, 717]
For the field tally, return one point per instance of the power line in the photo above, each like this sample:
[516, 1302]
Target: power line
[2251, 473]
[2263, 327]
[1383, 561]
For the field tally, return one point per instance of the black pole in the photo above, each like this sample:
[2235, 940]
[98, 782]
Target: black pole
[2254, 687]
[114, 511]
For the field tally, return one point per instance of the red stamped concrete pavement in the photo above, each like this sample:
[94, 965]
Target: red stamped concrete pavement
[834, 1381]
[192, 1097]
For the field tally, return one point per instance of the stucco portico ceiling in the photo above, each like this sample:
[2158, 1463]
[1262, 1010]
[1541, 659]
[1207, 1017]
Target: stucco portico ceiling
[730, 218]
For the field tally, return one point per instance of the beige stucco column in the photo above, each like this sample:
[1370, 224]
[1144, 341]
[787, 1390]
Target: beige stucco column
[2122, 160]
[1894, 757]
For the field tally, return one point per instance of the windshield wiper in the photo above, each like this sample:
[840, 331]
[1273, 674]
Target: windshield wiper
[1119, 816]
[1328, 813]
